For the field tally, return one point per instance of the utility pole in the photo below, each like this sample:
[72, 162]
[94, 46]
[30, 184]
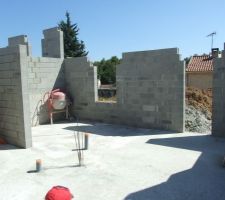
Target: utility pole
[211, 35]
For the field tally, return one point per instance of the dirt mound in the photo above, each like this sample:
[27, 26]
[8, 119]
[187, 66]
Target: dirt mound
[198, 110]
[200, 100]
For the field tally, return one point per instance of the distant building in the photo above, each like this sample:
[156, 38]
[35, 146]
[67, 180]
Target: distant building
[199, 72]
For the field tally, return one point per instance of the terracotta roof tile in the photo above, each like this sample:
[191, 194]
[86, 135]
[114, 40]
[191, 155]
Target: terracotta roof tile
[200, 64]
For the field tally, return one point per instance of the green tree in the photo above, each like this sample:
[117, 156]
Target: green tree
[187, 60]
[107, 70]
[73, 47]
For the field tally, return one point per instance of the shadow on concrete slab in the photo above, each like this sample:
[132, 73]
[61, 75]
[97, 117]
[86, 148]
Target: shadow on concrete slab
[114, 130]
[8, 147]
[61, 167]
[193, 142]
[54, 167]
[204, 181]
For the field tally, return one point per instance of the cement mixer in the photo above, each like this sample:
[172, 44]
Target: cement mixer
[56, 103]
[58, 99]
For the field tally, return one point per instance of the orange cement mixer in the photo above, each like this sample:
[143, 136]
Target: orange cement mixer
[58, 99]
[56, 103]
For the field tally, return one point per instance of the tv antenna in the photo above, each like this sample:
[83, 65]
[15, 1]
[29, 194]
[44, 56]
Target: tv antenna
[211, 35]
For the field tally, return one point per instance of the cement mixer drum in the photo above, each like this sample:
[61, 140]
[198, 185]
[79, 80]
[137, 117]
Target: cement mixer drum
[58, 100]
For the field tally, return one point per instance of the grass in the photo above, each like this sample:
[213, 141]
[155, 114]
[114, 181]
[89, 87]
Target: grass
[107, 99]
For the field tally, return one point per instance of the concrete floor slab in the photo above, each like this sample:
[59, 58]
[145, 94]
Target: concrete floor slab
[121, 164]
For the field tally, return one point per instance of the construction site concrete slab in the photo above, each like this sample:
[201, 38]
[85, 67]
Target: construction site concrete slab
[121, 163]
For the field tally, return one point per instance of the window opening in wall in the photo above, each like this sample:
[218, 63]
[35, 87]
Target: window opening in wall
[106, 73]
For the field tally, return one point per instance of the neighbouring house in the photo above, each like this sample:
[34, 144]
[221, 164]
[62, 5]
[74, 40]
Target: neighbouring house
[199, 71]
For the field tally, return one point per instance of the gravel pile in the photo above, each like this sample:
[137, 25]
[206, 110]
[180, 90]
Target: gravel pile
[197, 120]
[198, 110]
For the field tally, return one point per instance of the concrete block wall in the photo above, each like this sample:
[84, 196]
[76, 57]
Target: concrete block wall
[81, 84]
[52, 44]
[150, 90]
[150, 87]
[21, 39]
[218, 103]
[44, 75]
[23, 82]
[14, 102]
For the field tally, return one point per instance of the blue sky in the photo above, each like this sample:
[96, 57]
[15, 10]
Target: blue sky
[110, 27]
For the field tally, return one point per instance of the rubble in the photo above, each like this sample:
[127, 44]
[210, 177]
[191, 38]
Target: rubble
[198, 110]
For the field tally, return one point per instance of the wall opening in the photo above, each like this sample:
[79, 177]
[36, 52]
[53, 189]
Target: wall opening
[106, 79]
[198, 92]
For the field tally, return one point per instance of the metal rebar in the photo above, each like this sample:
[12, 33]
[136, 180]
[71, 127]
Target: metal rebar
[79, 141]
[76, 143]
[86, 140]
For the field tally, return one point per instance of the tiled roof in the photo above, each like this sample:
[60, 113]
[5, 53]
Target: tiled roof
[200, 64]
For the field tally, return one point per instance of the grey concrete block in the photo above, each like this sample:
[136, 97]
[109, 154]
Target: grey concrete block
[150, 108]
[52, 44]
[218, 119]
[14, 41]
[13, 65]
[18, 40]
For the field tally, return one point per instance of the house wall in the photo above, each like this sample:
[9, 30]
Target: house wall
[202, 80]
[45, 74]
[150, 90]
[14, 102]
[218, 108]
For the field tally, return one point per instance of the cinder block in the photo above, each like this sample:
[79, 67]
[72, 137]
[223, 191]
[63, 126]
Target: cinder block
[218, 119]
[150, 108]
[150, 119]
[52, 44]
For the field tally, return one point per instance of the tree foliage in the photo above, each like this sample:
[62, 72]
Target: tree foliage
[187, 60]
[107, 70]
[73, 47]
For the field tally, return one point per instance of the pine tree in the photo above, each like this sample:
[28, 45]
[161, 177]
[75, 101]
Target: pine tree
[72, 46]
